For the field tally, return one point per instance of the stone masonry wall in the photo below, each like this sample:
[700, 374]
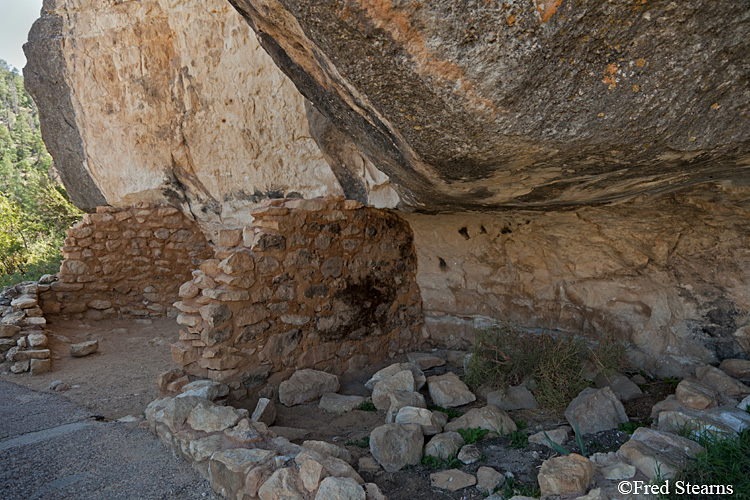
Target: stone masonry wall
[125, 262]
[325, 284]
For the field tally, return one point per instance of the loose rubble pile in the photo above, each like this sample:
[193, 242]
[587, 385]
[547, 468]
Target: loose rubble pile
[126, 262]
[245, 456]
[322, 283]
[23, 341]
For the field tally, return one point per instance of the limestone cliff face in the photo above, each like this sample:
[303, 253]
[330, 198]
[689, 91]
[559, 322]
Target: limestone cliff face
[519, 103]
[161, 100]
[669, 276]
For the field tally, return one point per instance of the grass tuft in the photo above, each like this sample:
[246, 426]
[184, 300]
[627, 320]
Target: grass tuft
[473, 434]
[364, 442]
[366, 406]
[451, 412]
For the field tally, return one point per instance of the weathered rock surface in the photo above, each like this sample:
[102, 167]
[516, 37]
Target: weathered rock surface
[397, 445]
[737, 368]
[487, 479]
[449, 391]
[595, 410]
[444, 445]
[307, 385]
[402, 381]
[84, 348]
[428, 107]
[559, 436]
[340, 488]
[515, 398]
[564, 475]
[452, 480]
[658, 453]
[490, 418]
[338, 403]
[694, 394]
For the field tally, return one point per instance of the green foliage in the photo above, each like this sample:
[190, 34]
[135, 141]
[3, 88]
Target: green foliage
[726, 461]
[520, 424]
[366, 405]
[504, 357]
[435, 463]
[564, 451]
[519, 439]
[34, 210]
[364, 442]
[451, 412]
[510, 488]
[630, 427]
[473, 434]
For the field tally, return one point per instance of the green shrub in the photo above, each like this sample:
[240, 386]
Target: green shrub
[473, 435]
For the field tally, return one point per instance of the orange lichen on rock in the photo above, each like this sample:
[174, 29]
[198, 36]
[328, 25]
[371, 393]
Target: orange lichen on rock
[609, 75]
[547, 8]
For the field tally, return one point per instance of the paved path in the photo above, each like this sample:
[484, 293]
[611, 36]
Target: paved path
[51, 448]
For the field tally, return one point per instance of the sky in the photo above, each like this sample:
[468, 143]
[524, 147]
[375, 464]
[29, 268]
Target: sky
[16, 18]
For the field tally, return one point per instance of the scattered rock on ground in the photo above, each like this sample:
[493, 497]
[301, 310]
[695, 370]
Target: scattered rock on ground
[515, 398]
[290, 433]
[207, 389]
[490, 417]
[265, 411]
[559, 435]
[656, 452]
[306, 385]
[337, 403]
[488, 479]
[452, 480]
[420, 416]
[372, 492]
[340, 488]
[389, 371]
[565, 475]
[280, 485]
[737, 368]
[397, 445]
[721, 382]
[329, 449]
[621, 385]
[212, 418]
[449, 391]
[444, 445]
[400, 399]
[381, 393]
[84, 348]
[469, 454]
[424, 360]
[694, 394]
[595, 410]
[722, 419]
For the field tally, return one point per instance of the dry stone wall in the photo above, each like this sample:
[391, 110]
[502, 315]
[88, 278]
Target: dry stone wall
[23, 342]
[126, 262]
[325, 284]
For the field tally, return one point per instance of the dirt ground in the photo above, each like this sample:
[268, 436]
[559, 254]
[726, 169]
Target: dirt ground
[119, 380]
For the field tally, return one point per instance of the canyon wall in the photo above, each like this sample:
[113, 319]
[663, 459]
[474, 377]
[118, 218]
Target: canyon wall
[577, 166]
[166, 101]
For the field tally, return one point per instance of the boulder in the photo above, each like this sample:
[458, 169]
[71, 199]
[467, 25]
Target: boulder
[381, 393]
[84, 348]
[202, 449]
[372, 492]
[449, 391]
[565, 475]
[721, 382]
[490, 417]
[280, 485]
[515, 398]
[444, 445]
[658, 453]
[595, 410]
[400, 399]
[397, 445]
[334, 466]
[306, 385]
[424, 360]
[722, 419]
[207, 417]
[559, 435]
[737, 368]
[265, 411]
[340, 488]
[329, 449]
[621, 385]
[744, 404]
[207, 389]
[338, 403]
[420, 416]
[488, 479]
[245, 432]
[389, 371]
[311, 473]
[469, 454]
[174, 412]
[452, 480]
[694, 394]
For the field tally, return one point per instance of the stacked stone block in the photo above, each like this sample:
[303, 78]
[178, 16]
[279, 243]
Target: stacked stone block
[322, 283]
[126, 262]
[23, 341]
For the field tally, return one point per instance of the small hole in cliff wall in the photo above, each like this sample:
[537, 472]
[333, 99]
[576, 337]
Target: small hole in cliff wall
[223, 120]
[464, 232]
[505, 230]
[443, 265]
[482, 230]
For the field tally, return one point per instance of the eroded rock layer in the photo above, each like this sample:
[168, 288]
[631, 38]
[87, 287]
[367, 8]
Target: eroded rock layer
[668, 276]
[163, 101]
[481, 103]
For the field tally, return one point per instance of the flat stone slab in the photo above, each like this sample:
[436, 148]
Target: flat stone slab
[452, 480]
[338, 403]
[84, 348]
